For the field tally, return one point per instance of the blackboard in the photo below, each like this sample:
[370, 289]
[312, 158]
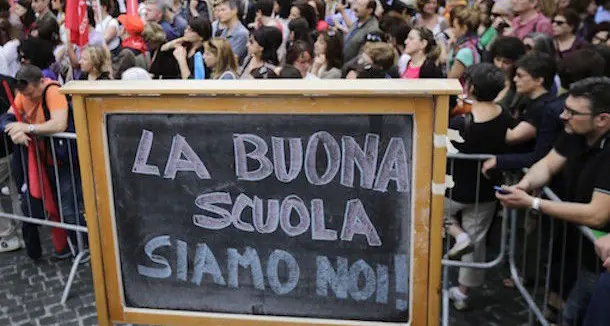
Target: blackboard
[172, 258]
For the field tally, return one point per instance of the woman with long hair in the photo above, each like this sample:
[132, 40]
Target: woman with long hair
[421, 47]
[328, 55]
[429, 18]
[219, 57]
[95, 62]
[262, 52]
[465, 49]
[299, 30]
[106, 24]
[300, 56]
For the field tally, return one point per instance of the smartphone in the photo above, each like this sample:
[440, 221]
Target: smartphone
[501, 190]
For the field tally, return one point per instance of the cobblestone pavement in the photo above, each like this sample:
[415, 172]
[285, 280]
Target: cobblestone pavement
[31, 295]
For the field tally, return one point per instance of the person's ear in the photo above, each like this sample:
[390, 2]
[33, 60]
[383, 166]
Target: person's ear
[602, 120]
[539, 81]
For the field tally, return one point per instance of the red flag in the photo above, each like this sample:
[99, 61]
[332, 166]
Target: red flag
[132, 7]
[76, 21]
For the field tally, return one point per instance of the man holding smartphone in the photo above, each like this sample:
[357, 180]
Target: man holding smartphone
[582, 154]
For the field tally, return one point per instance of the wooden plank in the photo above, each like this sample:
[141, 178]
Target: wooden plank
[441, 112]
[266, 87]
[86, 172]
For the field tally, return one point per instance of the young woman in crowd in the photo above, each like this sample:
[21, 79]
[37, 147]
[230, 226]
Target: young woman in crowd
[397, 35]
[540, 42]
[300, 56]
[328, 51]
[262, 52]
[565, 26]
[23, 9]
[423, 52]
[95, 63]
[299, 30]
[176, 59]
[154, 37]
[599, 34]
[429, 18]
[487, 32]
[483, 130]
[505, 52]
[106, 24]
[219, 57]
[465, 50]
[305, 11]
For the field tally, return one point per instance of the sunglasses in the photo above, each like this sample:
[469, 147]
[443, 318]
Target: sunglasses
[558, 22]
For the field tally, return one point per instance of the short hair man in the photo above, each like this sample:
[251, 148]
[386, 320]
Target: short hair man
[234, 31]
[156, 12]
[42, 10]
[534, 78]
[28, 105]
[528, 19]
[366, 24]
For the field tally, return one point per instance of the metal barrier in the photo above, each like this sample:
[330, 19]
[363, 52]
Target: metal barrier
[63, 176]
[519, 272]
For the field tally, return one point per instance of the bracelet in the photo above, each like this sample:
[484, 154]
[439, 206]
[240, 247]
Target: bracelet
[536, 204]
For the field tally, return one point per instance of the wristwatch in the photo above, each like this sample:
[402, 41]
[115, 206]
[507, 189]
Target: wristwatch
[31, 129]
[536, 204]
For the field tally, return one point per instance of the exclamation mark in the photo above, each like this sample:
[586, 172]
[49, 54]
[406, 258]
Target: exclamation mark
[402, 282]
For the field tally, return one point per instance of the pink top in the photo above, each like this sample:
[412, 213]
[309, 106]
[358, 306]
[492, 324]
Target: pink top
[411, 72]
[539, 24]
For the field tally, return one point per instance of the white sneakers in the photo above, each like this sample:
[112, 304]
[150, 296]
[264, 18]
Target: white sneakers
[460, 300]
[10, 244]
[462, 246]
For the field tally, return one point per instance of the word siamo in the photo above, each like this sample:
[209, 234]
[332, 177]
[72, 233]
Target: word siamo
[342, 160]
[358, 281]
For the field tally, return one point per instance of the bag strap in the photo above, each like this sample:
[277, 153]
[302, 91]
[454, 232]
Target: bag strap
[8, 92]
[45, 107]
[468, 121]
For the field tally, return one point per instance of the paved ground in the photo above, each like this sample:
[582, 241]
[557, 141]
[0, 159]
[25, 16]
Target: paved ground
[32, 292]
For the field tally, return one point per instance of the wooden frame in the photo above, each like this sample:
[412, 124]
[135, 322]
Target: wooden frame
[426, 100]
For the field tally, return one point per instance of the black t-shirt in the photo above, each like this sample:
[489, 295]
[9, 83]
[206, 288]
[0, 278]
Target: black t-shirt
[587, 168]
[166, 66]
[487, 137]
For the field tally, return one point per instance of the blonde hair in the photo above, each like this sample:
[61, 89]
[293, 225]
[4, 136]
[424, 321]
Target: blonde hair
[99, 55]
[469, 17]
[225, 59]
[381, 53]
[153, 34]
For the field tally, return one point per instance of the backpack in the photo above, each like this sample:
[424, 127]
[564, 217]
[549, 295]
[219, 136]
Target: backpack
[65, 149]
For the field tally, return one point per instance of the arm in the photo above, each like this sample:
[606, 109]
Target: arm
[541, 173]
[595, 214]
[239, 43]
[523, 132]
[180, 55]
[111, 32]
[457, 70]
[545, 137]
[193, 8]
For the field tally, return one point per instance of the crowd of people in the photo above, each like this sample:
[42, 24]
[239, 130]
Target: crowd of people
[536, 94]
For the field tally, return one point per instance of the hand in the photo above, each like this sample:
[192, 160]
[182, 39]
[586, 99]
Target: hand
[16, 127]
[179, 52]
[489, 164]
[523, 185]
[20, 138]
[499, 20]
[602, 248]
[516, 198]
[319, 60]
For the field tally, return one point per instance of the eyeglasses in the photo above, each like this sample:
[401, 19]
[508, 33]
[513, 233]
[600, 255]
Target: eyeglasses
[573, 113]
[558, 22]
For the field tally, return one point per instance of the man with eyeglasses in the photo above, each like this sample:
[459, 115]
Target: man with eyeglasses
[582, 157]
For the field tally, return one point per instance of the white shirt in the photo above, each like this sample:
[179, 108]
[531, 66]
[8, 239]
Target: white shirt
[106, 23]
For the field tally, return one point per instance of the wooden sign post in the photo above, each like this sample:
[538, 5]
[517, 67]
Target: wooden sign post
[268, 202]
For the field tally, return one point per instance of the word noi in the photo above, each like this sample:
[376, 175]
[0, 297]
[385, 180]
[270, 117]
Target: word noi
[358, 281]
[346, 158]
